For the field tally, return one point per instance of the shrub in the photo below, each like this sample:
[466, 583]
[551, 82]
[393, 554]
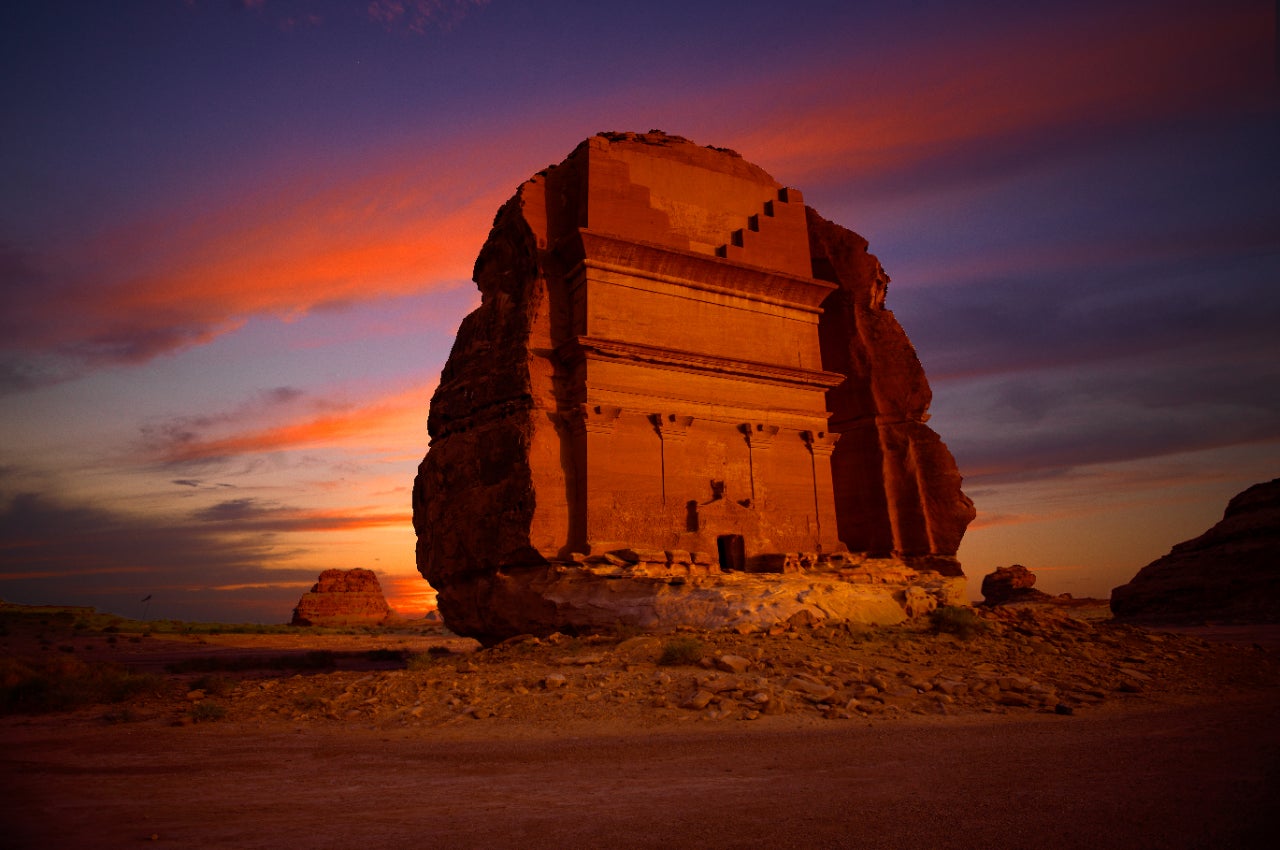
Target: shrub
[683, 650]
[421, 661]
[214, 686]
[61, 682]
[956, 620]
[207, 711]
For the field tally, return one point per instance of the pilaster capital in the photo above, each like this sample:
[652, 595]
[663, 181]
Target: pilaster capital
[821, 443]
[672, 427]
[592, 418]
[759, 434]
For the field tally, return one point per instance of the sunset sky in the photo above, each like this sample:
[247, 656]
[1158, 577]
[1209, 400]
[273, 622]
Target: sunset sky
[236, 240]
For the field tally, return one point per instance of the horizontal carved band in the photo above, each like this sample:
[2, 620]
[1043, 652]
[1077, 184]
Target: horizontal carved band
[593, 348]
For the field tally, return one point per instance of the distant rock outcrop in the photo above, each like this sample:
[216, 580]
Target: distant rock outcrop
[681, 401]
[1229, 573]
[1010, 584]
[343, 598]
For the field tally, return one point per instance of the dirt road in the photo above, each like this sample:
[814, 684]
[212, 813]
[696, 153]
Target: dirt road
[1169, 776]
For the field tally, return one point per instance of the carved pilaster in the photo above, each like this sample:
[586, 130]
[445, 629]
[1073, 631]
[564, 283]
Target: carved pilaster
[592, 418]
[821, 443]
[759, 434]
[671, 427]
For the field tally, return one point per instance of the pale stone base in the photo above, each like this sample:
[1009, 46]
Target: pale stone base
[603, 597]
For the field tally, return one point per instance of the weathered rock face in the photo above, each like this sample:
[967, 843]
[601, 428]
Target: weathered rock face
[1231, 572]
[1014, 583]
[342, 598]
[681, 387]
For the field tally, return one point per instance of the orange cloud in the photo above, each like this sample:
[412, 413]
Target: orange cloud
[295, 520]
[410, 222]
[293, 258]
[381, 421]
[415, 218]
[263, 585]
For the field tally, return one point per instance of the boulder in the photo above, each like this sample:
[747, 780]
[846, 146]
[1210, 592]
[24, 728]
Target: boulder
[343, 598]
[673, 354]
[1010, 584]
[1229, 573]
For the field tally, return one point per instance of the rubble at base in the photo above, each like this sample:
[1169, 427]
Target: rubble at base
[635, 590]
[1019, 661]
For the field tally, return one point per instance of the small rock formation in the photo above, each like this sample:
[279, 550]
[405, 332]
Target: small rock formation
[343, 598]
[1013, 586]
[681, 401]
[1229, 573]
[1010, 584]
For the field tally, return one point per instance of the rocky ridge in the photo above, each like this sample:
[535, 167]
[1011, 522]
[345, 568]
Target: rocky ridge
[1230, 573]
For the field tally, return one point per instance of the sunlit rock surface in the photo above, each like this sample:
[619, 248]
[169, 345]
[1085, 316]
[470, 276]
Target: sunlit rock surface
[1230, 573]
[681, 401]
[343, 598]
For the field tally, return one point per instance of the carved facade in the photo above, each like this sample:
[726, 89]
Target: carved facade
[677, 371]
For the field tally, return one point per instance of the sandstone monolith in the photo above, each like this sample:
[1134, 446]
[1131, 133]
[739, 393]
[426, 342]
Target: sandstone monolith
[1230, 573]
[681, 401]
[343, 598]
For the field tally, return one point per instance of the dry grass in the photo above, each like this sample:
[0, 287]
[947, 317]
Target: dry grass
[61, 682]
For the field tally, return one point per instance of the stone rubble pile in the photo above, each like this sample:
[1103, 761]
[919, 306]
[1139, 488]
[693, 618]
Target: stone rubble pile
[1020, 661]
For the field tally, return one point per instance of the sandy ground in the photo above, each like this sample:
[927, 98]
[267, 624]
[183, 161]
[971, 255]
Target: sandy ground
[1171, 776]
[1192, 759]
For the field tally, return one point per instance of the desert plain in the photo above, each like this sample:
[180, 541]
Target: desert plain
[1033, 726]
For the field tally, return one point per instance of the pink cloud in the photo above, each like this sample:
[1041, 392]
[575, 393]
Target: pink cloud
[1073, 74]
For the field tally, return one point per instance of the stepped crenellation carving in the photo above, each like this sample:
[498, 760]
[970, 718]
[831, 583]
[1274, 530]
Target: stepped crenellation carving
[774, 238]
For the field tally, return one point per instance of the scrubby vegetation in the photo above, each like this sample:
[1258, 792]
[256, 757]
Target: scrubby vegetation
[957, 620]
[683, 650]
[60, 682]
[207, 710]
